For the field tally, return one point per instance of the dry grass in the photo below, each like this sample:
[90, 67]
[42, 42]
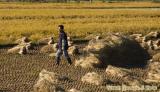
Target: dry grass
[37, 22]
[92, 78]
[77, 5]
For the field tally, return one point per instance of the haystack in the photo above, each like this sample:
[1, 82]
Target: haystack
[153, 72]
[98, 37]
[74, 90]
[156, 57]
[49, 76]
[52, 54]
[45, 86]
[23, 46]
[150, 41]
[124, 52]
[118, 50]
[122, 74]
[152, 36]
[154, 67]
[93, 78]
[131, 81]
[153, 78]
[150, 45]
[157, 45]
[46, 41]
[51, 41]
[47, 49]
[70, 41]
[69, 38]
[93, 36]
[89, 37]
[19, 49]
[43, 41]
[138, 37]
[22, 40]
[14, 50]
[145, 45]
[95, 45]
[28, 45]
[114, 71]
[89, 61]
[23, 50]
[55, 46]
[73, 50]
[47, 82]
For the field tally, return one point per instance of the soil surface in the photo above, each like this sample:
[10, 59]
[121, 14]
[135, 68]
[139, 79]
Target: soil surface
[18, 73]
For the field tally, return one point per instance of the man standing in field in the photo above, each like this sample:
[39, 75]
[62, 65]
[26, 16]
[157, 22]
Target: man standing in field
[62, 46]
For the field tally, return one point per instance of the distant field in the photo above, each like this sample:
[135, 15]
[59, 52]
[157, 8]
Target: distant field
[38, 20]
[82, 5]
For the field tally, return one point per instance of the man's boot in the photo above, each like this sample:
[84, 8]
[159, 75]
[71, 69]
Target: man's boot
[57, 60]
[69, 61]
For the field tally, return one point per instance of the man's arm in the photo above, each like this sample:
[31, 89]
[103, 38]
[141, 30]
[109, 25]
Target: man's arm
[63, 44]
[60, 41]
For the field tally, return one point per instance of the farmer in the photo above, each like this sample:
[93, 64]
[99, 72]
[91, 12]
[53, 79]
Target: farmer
[62, 46]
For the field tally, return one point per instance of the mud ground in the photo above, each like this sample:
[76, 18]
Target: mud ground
[18, 73]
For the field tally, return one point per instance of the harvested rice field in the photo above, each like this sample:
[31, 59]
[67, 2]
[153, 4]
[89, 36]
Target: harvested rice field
[19, 73]
[114, 45]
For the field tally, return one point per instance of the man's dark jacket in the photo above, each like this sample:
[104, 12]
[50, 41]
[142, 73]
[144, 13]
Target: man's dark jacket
[63, 36]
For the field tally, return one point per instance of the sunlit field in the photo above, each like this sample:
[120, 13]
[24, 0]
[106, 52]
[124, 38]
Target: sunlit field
[37, 21]
[102, 61]
[82, 5]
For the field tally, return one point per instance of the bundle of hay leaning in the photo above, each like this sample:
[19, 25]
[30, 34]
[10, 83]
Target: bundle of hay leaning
[93, 78]
[115, 49]
[23, 46]
[50, 47]
[74, 90]
[47, 49]
[150, 41]
[121, 76]
[45, 41]
[153, 74]
[47, 82]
